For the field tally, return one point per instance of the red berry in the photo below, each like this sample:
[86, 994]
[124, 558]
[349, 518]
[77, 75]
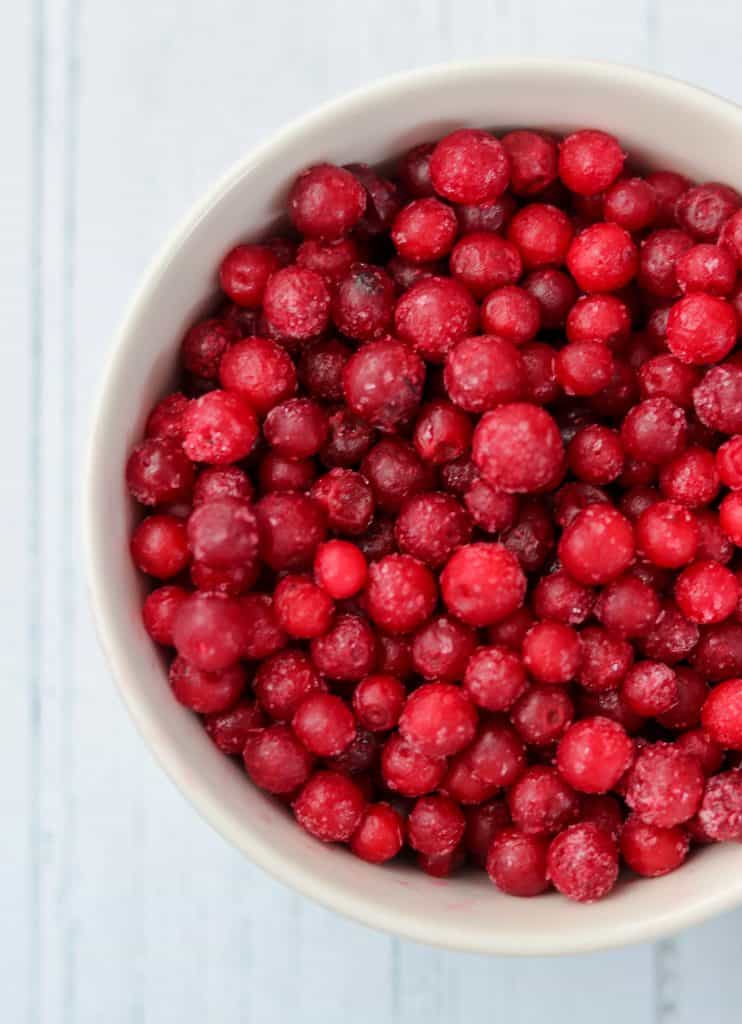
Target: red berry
[296, 302]
[482, 261]
[159, 546]
[400, 594]
[595, 454]
[718, 399]
[706, 268]
[533, 161]
[483, 823]
[347, 651]
[701, 329]
[542, 714]
[330, 807]
[542, 234]
[438, 720]
[430, 526]
[216, 482]
[208, 631]
[244, 273]
[347, 500]
[275, 760]
[603, 258]
[261, 633]
[441, 649]
[395, 472]
[511, 313]
[597, 546]
[729, 463]
[722, 714]
[302, 609]
[664, 785]
[504, 434]
[383, 383]
[378, 701]
[482, 583]
[408, 771]
[542, 802]
[703, 209]
[290, 527]
[260, 371]
[627, 606]
[555, 293]
[331, 260]
[494, 678]
[559, 597]
[469, 166]
[720, 812]
[433, 315]
[282, 681]
[584, 367]
[424, 230]
[219, 427]
[159, 610]
[551, 652]
[589, 161]
[340, 568]
[583, 862]
[516, 862]
[203, 347]
[631, 203]
[442, 432]
[436, 825]
[326, 202]
[706, 592]
[378, 836]
[497, 755]
[650, 688]
[203, 691]
[324, 724]
[483, 372]
[158, 472]
[231, 729]
[363, 302]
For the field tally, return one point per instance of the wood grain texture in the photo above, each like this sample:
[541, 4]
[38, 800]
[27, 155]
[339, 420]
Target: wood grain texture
[118, 903]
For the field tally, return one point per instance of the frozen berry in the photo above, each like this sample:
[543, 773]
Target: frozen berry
[583, 862]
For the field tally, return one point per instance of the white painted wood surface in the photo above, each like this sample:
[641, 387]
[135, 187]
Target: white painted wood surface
[118, 904]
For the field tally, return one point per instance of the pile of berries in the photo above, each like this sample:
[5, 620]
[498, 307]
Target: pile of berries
[448, 506]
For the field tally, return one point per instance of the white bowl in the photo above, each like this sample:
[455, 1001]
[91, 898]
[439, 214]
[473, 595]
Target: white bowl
[664, 122]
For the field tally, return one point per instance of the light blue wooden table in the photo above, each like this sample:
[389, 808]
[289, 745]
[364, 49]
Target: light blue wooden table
[118, 904]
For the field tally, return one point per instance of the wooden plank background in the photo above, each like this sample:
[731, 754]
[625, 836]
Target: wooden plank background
[118, 904]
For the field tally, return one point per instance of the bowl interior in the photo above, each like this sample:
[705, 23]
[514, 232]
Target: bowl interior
[663, 124]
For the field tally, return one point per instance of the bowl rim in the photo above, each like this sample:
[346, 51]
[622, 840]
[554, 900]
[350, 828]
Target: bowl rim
[283, 869]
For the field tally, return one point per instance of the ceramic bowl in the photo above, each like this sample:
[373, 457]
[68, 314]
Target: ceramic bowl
[661, 122]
